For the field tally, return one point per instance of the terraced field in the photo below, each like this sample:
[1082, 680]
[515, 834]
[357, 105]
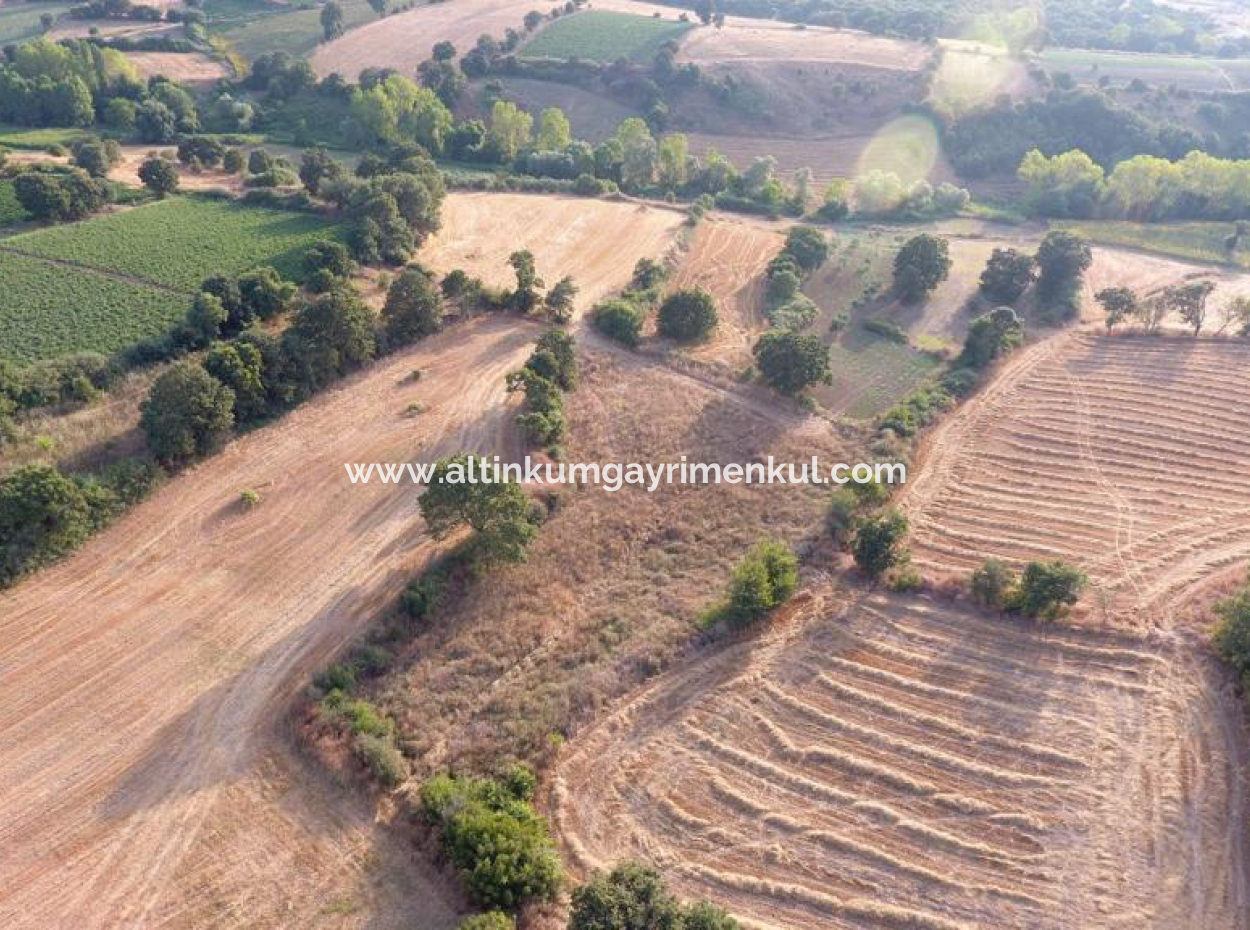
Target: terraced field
[1125, 454]
[888, 762]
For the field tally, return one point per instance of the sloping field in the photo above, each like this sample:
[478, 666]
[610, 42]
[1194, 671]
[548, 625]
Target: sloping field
[595, 241]
[405, 40]
[1122, 453]
[146, 678]
[194, 68]
[727, 258]
[884, 762]
[764, 40]
[604, 36]
[1188, 71]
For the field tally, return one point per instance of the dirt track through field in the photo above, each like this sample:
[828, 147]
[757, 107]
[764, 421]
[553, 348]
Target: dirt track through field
[885, 761]
[144, 679]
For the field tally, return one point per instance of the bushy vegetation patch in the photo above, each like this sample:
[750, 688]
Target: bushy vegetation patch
[491, 833]
[762, 582]
[1045, 590]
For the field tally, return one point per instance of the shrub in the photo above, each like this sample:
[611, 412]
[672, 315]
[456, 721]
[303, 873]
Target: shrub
[619, 319]
[880, 543]
[249, 498]
[499, 845]
[763, 580]
[1046, 588]
[992, 585]
[413, 309]
[43, 515]
[1231, 636]
[635, 897]
[991, 336]
[382, 759]
[687, 316]
[808, 246]
[492, 920]
[887, 329]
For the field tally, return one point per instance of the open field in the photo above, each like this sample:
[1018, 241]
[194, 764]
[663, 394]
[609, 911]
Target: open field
[255, 27]
[48, 309]
[146, 675]
[727, 258]
[1121, 453]
[404, 40]
[744, 40]
[19, 22]
[26, 137]
[1186, 71]
[179, 242]
[1195, 241]
[604, 35]
[191, 68]
[596, 241]
[876, 761]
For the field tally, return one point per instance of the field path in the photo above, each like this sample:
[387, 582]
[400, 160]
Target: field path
[144, 680]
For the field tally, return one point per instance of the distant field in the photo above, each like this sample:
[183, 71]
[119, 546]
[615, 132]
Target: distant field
[47, 310]
[177, 243]
[1190, 72]
[10, 210]
[20, 21]
[254, 28]
[599, 35]
[1203, 242]
[37, 139]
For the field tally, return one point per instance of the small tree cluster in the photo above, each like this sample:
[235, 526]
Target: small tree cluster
[791, 361]
[491, 833]
[1062, 259]
[550, 370]
[763, 581]
[687, 315]
[1007, 275]
[881, 543]
[621, 318]
[1044, 590]
[806, 249]
[635, 897]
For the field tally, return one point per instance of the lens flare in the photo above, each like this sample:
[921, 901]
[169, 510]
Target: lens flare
[907, 147]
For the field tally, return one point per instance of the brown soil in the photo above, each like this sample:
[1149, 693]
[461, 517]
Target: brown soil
[193, 68]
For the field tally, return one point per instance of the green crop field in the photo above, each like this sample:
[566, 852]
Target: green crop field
[873, 373]
[1199, 241]
[599, 35]
[47, 310]
[26, 137]
[10, 210]
[1189, 71]
[177, 243]
[20, 21]
[255, 27]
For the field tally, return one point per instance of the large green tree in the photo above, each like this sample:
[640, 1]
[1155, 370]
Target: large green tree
[498, 513]
[920, 266]
[187, 414]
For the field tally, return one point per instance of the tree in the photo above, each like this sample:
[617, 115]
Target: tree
[1189, 302]
[836, 204]
[880, 543]
[1118, 304]
[1007, 275]
[158, 175]
[991, 336]
[790, 361]
[239, 367]
[59, 193]
[329, 337]
[263, 295]
[619, 319]
[508, 130]
[155, 123]
[554, 131]
[687, 315]
[808, 246]
[443, 51]
[329, 256]
[491, 920]
[316, 166]
[497, 513]
[378, 7]
[528, 283]
[1046, 588]
[554, 359]
[413, 309]
[1061, 259]
[203, 323]
[332, 20]
[920, 265]
[187, 414]
[673, 160]
[43, 515]
[200, 151]
[764, 580]
[559, 300]
[232, 161]
[97, 157]
[992, 585]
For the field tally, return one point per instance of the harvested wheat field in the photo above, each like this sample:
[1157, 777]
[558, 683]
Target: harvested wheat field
[146, 677]
[727, 258]
[596, 241]
[876, 761]
[744, 40]
[1122, 453]
[193, 68]
[404, 40]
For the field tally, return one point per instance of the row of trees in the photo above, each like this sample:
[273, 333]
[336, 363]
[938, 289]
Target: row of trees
[1143, 188]
[1187, 301]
